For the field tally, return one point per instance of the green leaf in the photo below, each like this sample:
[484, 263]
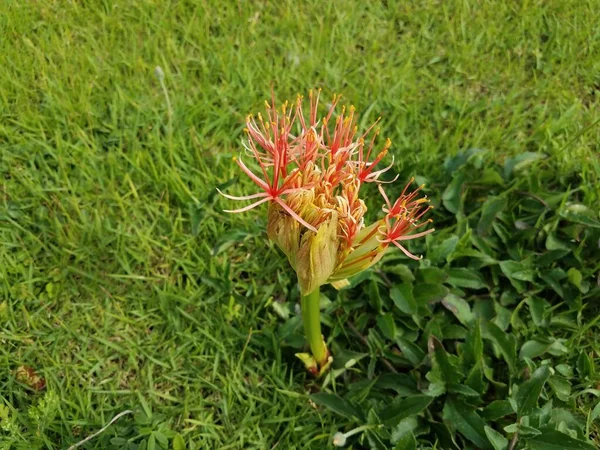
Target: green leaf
[375, 440]
[555, 440]
[447, 371]
[151, 442]
[473, 357]
[178, 442]
[402, 296]
[401, 383]
[537, 308]
[442, 251]
[489, 211]
[532, 349]
[595, 412]
[529, 391]
[516, 270]
[561, 387]
[553, 243]
[475, 379]
[497, 409]
[402, 271]
[386, 324]
[553, 277]
[507, 344]
[411, 351]
[585, 366]
[491, 176]
[407, 442]
[228, 240]
[197, 212]
[565, 370]
[570, 419]
[452, 194]
[464, 418]
[402, 408]
[498, 441]
[575, 278]
[465, 278]
[473, 347]
[463, 390]
[519, 162]
[161, 438]
[455, 162]
[459, 307]
[405, 427]
[527, 431]
[374, 296]
[336, 404]
[580, 214]
[431, 275]
[517, 273]
[427, 293]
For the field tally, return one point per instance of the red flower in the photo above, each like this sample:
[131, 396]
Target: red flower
[403, 217]
[274, 138]
[314, 172]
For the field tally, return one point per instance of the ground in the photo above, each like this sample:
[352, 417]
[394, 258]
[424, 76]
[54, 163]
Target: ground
[124, 285]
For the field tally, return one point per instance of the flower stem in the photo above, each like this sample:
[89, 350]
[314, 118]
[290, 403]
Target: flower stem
[312, 326]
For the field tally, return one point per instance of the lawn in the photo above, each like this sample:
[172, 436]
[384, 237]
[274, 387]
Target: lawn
[123, 285]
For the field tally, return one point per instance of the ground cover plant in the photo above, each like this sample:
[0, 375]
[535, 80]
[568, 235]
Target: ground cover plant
[123, 285]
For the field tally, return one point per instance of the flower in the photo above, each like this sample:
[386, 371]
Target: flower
[403, 217]
[310, 170]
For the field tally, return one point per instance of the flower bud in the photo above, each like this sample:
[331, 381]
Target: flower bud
[284, 230]
[366, 252]
[339, 439]
[317, 256]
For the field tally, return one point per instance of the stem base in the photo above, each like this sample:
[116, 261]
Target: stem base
[319, 361]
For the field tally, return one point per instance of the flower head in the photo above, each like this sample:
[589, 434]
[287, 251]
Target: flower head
[310, 169]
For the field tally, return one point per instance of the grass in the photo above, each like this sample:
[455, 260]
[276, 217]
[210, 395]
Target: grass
[121, 281]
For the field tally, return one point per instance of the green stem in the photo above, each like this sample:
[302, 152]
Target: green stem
[312, 326]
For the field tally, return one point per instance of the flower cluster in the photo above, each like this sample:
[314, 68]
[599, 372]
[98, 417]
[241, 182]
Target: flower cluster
[311, 169]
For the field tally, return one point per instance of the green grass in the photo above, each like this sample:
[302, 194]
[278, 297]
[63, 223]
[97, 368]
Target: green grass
[121, 281]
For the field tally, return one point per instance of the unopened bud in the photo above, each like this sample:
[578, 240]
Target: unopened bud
[317, 256]
[158, 72]
[339, 439]
[284, 230]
